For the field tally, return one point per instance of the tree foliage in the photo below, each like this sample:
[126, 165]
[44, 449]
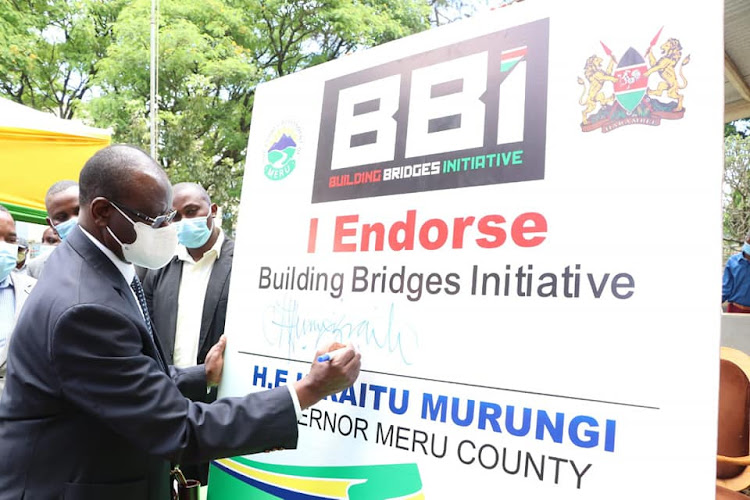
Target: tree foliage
[737, 127]
[736, 192]
[446, 11]
[49, 50]
[213, 54]
[90, 59]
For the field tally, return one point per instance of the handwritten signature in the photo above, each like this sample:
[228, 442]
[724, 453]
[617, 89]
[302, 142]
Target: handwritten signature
[284, 326]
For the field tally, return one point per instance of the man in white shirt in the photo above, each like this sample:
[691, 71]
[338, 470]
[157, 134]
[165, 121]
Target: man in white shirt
[187, 298]
[14, 287]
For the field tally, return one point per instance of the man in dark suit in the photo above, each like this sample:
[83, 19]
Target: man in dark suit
[90, 409]
[187, 298]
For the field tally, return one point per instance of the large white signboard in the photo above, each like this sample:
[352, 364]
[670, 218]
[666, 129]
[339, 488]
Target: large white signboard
[517, 220]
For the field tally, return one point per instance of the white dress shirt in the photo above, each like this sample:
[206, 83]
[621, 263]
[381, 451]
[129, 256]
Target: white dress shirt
[190, 299]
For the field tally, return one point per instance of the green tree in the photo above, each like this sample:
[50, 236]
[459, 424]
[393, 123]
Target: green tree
[446, 11]
[737, 127]
[213, 54]
[48, 50]
[203, 74]
[736, 192]
[299, 34]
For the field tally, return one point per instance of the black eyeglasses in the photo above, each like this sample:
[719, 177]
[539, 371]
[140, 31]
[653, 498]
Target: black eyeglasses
[155, 222]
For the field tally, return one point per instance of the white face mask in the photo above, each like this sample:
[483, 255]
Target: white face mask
[153, 247]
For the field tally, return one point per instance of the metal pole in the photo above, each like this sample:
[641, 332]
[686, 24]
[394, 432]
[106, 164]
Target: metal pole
[154, 105]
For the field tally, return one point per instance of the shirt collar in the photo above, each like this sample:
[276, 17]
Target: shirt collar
[126, 268]
[6, 283]
[182, 252]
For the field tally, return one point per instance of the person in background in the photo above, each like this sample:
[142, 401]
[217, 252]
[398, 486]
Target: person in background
[14, 287]
[735, 290]
[62, 206]
[50, 237]
[197, 277]
[187, 298]
[50, 240]
[91, 410]
[23, 252]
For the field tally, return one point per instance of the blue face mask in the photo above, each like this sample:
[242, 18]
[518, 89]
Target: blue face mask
[64, 228]
[746, 248]
[8, 258]
[193, 233]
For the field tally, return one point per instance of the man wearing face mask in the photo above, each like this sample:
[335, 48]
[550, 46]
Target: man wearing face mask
[90, 408]
[14, 287]
[62, 207]
[187, 298]
[23, 251]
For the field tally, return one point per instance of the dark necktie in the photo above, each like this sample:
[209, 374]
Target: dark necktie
[138, 289]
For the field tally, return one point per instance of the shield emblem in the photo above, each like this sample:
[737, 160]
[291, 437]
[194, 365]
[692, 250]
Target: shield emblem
[631, 84]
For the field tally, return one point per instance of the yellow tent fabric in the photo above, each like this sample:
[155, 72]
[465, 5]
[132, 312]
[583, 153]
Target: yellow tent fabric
[36, 150]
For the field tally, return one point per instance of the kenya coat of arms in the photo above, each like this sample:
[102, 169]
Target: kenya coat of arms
[629, 99]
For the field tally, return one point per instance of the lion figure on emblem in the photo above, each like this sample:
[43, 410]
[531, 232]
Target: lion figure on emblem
[666, 68]
[596, 77]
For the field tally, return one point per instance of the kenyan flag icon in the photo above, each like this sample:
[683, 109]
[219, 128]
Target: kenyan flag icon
[631, 82]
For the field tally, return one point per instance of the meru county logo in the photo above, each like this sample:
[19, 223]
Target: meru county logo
[282, 146]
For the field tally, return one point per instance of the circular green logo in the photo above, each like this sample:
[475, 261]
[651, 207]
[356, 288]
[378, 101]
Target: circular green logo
[283, 144]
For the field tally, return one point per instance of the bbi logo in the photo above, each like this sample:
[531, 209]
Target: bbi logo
[468, 114]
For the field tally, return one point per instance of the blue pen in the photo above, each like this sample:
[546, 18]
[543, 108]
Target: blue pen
[329, 355]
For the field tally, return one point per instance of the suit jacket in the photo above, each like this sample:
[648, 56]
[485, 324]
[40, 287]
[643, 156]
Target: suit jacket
[162, 288]
[22, 285]
[91, 412]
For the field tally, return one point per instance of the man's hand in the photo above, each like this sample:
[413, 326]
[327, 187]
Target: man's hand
[328, 377]
[215, 362]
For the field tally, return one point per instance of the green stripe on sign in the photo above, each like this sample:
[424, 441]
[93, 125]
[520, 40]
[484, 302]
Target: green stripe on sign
[26, 214]
[508, 65]
[370, 482]
[225, 487]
